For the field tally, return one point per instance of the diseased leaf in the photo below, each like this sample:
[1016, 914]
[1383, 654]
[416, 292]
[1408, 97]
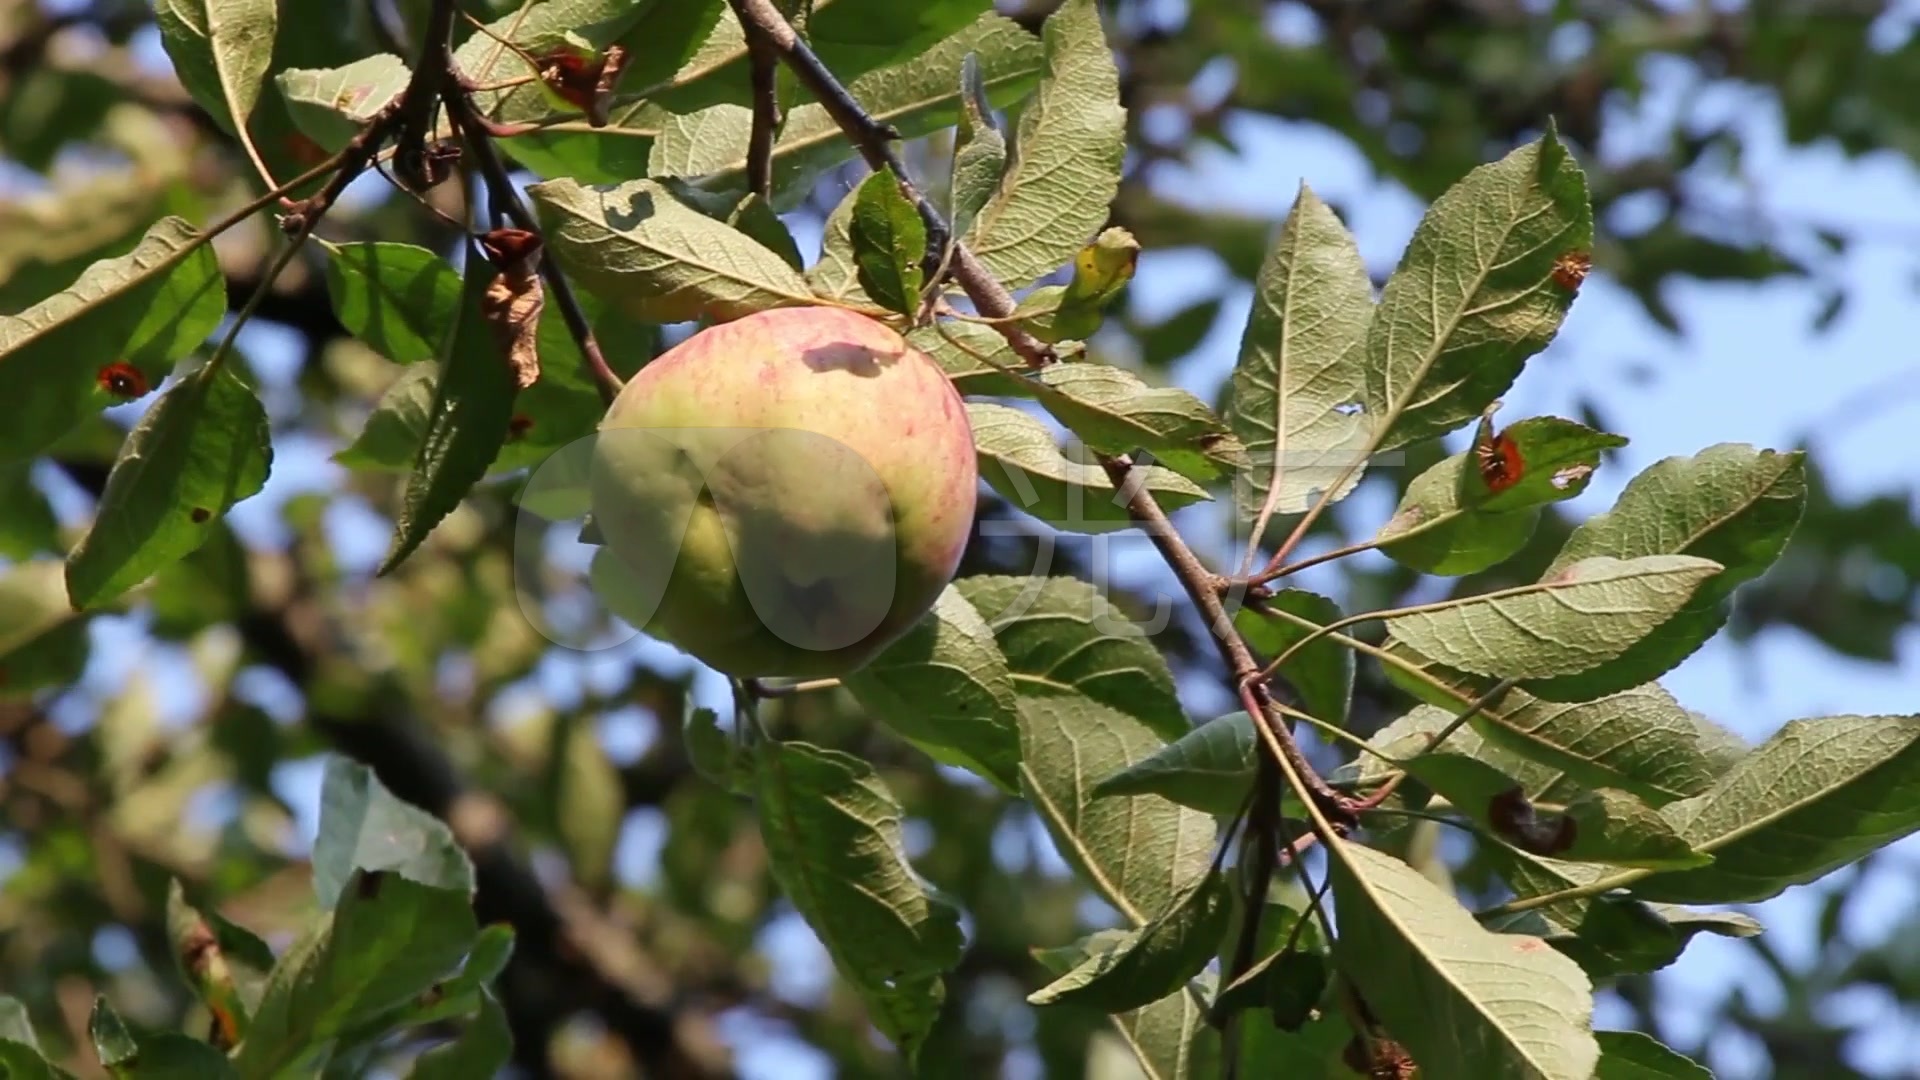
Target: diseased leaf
[1587, 614]
[1474, 296]
[203, 447]
[1321, 672]
[834, 844]
[1073, 311]
[889, 240]
[1729, 503]
[467, 424]
[363, 826]
[224, 963]
[1117, 413]
[945, 688]
[1300, 382]
[1066, 168]
[145, 309]
[649, 254]
[401, 300]
[331, 105]
[1450, 522]
[1464, 1001]
[1817, 796]
[1135, 968]
[1020, 460]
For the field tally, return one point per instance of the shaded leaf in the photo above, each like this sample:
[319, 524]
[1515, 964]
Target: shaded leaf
[1464, 1001]
[1020, 460]
[979, 150]
[1135, 968]
[1587, 614]
[1474, 295]
[834, 843]
[199, 450]
[1210, 768]
[112, 1042]
[1321, 672]
[716, 754]
[221, 50]
[889, 240]
[146, 309]
[1066, 169]
[1300, 374]
[1617, 936]
[400, 299]
[40, 636]
[467, 424]
[976, 358]
[1633, 1055]
[590, 804]
[945, 688]
[482, 1049]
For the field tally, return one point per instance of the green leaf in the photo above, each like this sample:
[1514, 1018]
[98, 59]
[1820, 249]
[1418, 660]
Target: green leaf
[1170, 1039]
[27, 524]
[226, 964]
[1066, 168]
[171, 1056]
[1301, 370]
[397, 427]
[202, 448]
[835, 275]
[945, 688]
[589, 804]
[1210, 768]
[1019, 459]
[221, 50]
[1818, 795]
[917, 97]
[1290, 977]
[482, 1049]
[467, 424]
[1117, 413]
[755, 216]
[714, 753]
[834, 844]
[400, 299]
[1464, 1001]
[647, 253]
[388, 940]
[1729, 503]
[1587, 614]
[979, 150]
[1474, 295]
[332, 105]
[1135, 968]
[16, 1026]
[1632, 1055]
[1073, 311]
[147, 308]
[1453, 524]
[1615, 828]
[112, 1042]
[889, 240]
[364, 827]
[1322, 671]
[41, 639]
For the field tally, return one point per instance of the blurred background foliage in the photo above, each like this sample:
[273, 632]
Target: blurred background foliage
[178, 737]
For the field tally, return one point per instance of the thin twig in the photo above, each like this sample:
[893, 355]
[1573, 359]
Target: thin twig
[503, 195]
[764, 70]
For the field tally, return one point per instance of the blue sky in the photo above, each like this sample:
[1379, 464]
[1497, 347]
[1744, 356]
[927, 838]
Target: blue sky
[1748, 369]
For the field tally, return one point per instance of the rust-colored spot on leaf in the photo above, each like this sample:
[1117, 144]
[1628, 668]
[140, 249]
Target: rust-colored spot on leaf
[1499, 458]
[199, 514]
[123, 380]
[1571, 268]
[1524, 944]
[518, 427]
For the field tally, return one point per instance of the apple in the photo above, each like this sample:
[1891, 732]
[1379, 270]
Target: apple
[784, 494]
